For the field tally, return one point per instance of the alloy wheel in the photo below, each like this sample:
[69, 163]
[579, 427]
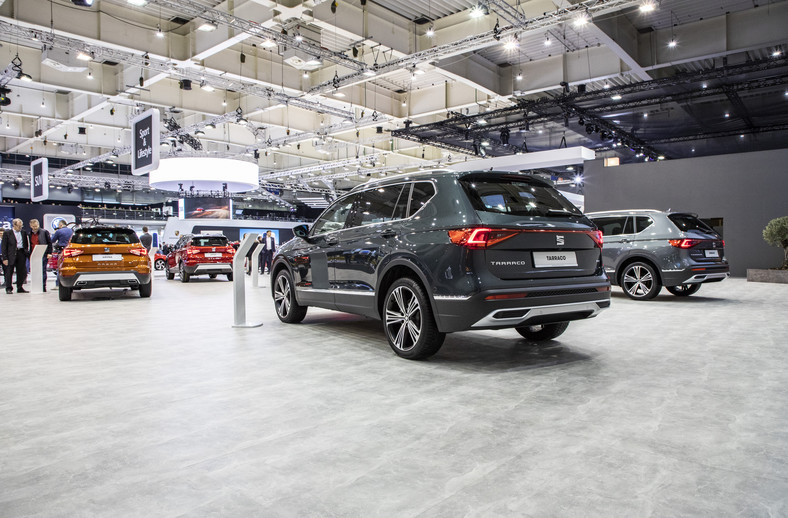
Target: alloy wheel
[638, 281]
[282, 296]
[403, 318]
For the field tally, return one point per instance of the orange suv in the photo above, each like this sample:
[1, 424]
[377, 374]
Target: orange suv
[104, 257]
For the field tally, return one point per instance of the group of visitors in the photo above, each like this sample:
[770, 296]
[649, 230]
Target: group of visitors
[17, 245]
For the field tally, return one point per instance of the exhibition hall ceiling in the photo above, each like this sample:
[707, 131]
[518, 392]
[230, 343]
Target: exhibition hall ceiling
[323, 95]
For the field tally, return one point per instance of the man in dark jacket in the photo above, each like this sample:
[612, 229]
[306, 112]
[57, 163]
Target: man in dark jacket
[16, 249]
[269, 247]
[146, 239]
[40, 236]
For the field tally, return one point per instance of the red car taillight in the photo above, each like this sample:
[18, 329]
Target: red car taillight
[684, 243]
[139, 251]
[192, 251]
[71, 252]
[230, 250]
[479, 237]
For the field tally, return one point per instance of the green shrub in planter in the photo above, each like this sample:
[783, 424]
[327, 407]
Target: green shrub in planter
[776, 234]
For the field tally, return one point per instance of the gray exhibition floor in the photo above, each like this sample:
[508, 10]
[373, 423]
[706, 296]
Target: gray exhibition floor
[121, 407]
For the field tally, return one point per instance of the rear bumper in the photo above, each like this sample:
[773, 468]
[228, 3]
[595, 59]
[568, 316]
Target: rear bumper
[540, 306]
[87, 280]
[208, 268]
[696, 275]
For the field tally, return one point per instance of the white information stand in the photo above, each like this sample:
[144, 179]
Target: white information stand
[152, 257]
[256, 265]
[37, 269]
[239, 282]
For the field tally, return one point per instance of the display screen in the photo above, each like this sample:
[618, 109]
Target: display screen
[207, 208]
[6, 217]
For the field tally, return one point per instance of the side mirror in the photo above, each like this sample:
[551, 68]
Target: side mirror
[301, 231]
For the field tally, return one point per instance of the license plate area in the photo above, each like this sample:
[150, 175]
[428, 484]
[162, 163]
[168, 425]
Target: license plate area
[107, 257]
[553, 259]
[713, 253]
[210, 254]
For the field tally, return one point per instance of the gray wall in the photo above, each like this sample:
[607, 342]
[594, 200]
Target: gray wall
[747, 190]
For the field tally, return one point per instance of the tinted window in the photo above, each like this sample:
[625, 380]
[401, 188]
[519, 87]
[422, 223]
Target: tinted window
[105, 236]
[516, 197]
[421, 194]
[334, 218]
[611, 225]
[401, 209]
[376, 205]
[642, 223]
[687, 222]
[629, 228]
[209, 241]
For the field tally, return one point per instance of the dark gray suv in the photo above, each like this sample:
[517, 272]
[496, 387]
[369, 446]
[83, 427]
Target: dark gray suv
[445, 251]
[647, 249]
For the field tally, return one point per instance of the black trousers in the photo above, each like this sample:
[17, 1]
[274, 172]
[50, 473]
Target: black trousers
[268, 258]
[20, 266]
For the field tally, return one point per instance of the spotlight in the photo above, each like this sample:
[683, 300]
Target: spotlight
[672, 43]
[581, 121]
[82, 3]
[334, 7]
[207, 26]
[185, 84]
[431, 31]
[647, 7]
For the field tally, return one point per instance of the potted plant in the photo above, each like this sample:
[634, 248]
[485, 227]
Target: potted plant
[776, 234]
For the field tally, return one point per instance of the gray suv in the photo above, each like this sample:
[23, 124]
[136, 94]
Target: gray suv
[647, 249]
[444, 251]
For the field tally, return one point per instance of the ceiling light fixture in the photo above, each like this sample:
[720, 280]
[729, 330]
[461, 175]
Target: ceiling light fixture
[547, 40]
[82, 3]
[337, 93]
[519, 76]
[269, 43]
[777, 53]
[647, 6]
[90, 75]
[159, 33]
[581, 19]
[477, 12]
[205, 86]
[673, 43]
[207, 26]
[138, 3]
[511, 44]
[84, 56]
[431, 31]
[616, 97]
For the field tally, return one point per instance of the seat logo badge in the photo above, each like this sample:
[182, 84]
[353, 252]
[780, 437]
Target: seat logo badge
[106, 249]
[559, 240]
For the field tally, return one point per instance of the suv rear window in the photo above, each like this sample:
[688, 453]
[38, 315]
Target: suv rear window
[687, 222]
[209, 241]
[105, 236]
[515, 197]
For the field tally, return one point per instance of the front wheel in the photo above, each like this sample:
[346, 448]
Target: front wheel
[408, 321]
[640, 281]
[159, 264]
[542, 332]
[182, 273]
[146, 290]
[170, 275]
[230, 277]
[287, 309]
[683, 290]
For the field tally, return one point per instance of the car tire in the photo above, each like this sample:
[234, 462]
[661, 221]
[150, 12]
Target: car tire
[230, 277]
[64, 293]
[211, 275]
[408, 321]
[182, 273]
[683, 290]
[170, 275]
[146, 290]
[287, 309]
[542, 332]
[159, 264]
[640, 281]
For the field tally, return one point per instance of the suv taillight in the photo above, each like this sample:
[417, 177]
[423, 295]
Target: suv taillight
[230, 250]
[192, 251]
[479, 237]
[596, 235]
[139, 251]
[71, 252]
[684, 243]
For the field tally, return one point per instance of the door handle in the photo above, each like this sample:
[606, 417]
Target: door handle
[625, 241]
[332, 241]
[387, 234]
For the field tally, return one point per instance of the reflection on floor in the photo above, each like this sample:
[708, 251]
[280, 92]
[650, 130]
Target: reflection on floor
[118, 406]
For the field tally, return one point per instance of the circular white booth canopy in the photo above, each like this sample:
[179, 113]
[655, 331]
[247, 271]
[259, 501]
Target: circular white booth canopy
[205, 174]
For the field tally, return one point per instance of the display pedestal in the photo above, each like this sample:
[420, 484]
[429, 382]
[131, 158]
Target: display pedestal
[256, 265]
[239, 282]
[37, 269]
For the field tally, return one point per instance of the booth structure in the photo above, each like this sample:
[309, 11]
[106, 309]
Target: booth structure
[239, 281]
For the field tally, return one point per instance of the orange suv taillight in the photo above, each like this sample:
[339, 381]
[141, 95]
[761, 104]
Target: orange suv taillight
[71, 252]
[139, 251]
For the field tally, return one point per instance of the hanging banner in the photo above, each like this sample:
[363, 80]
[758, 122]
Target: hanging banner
[146, 135]
[39, 180]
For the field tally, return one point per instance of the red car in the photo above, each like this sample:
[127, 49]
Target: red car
[159, 261]
[200, 254]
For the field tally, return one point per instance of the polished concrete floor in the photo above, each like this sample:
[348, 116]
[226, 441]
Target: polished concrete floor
[116, 406]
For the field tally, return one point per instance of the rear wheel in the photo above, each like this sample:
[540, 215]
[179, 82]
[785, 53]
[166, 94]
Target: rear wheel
[542, 332]
[146, 290]
[683, 290]
[408, 321]
[64, 293]
[230, 277]
[287, 309]
[640, 281]
[182, 272]
[211, 275]
[170, 275]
